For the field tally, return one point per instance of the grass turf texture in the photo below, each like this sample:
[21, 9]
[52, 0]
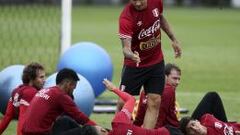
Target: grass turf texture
[210, 43]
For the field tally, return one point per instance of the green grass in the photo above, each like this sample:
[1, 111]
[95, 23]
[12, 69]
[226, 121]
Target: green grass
[30, 33]
[210, 61]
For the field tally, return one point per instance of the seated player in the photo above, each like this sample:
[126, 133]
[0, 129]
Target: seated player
[50, 103]
[168, 110]
[33, 78]
[122, 124]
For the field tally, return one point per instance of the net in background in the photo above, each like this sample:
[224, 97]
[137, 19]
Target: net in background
[29, 31]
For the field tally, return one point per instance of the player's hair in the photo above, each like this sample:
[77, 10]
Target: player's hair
[88, 130]
[169, 67]
[174, 130]
[66, 74]
[183, 124]
[30, 72]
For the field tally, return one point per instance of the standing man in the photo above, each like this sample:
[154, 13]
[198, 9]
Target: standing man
[50, 103]
[139, 30]
[33, 79]
[168, 110]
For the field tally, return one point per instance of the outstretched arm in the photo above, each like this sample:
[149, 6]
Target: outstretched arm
[7, 117]
[167, 29]
[128, 53]
[128, 99]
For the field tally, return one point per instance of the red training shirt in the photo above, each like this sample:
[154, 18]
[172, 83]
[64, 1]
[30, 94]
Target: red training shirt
[167, 112]
[217, 127]
[17, 106]
[143, 27]
[122, 125]
[46, 106]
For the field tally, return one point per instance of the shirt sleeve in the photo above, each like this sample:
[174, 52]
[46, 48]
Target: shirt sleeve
[7, 117]
[72, 110]
[125, 26]
[27, 96]
[161, 7]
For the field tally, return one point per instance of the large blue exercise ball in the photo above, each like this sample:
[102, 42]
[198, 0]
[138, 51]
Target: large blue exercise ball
[10, 78]
[89, 60]
[83, 94]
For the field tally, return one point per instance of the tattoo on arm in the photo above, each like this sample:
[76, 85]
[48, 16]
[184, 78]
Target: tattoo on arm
[126, 46]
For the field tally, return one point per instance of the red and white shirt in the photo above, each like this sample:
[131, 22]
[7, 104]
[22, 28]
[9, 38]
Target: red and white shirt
[217, 127]
[143, 27]
[46, 106]
[167, 112]
[17, 106]
[122, 125]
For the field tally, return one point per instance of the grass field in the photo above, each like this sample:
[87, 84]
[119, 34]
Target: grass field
[210, 40]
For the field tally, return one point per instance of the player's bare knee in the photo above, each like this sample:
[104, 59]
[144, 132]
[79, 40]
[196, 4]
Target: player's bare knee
[154, 101]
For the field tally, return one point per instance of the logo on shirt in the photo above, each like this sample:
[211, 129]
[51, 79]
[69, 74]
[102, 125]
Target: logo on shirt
[218, 125]
[122, 87]
[149, 31]
[16, 102]
[228, 130]
[155, 12]
[139, 23]
[43, 94]
[145, 100]
[129, 132]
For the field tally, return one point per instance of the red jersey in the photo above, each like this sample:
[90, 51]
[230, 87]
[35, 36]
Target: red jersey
[46, 106]
[17, 106]
[122, 125]
[143, 27]
[217, 127]
[167, 112]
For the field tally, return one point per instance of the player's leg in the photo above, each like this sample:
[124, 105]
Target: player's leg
[154, 87]
[153, 106]
[131, 82]
[210, 103]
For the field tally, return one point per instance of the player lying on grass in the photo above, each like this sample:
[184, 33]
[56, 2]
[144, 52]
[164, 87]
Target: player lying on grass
[209, 118]
[122, 124]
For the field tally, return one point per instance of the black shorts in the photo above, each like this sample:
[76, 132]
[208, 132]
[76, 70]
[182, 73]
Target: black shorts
[151, 78]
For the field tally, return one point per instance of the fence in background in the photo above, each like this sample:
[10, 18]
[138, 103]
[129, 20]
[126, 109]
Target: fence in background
[30, 31]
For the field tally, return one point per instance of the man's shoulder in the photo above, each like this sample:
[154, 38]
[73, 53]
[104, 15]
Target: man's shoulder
[154, 2]
[127, 12]
[29, 89]
[169, 89]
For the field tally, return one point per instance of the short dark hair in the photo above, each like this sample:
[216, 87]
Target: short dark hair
[173, 130]
[169, 67]
[88, 130]
[183, 123]
[30, 72]
[66, 74]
